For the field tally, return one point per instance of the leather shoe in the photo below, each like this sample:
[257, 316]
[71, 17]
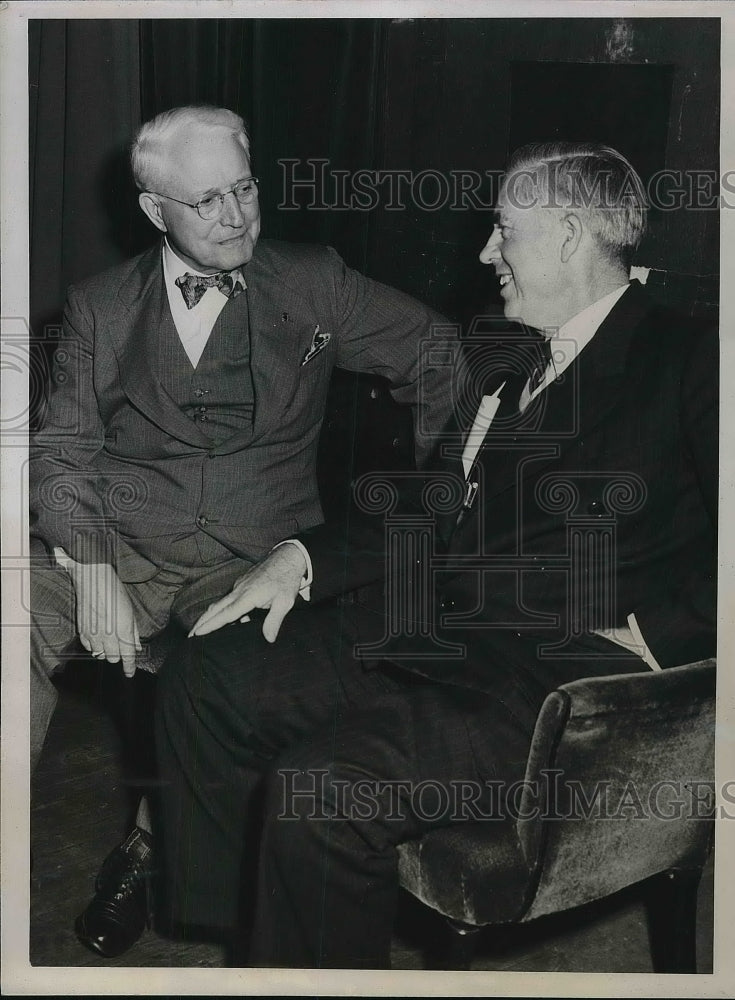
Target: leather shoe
[121, 907]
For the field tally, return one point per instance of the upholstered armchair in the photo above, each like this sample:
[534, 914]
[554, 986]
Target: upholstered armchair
[619, 790]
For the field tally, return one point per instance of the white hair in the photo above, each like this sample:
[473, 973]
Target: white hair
[594, 179]
[147, 151]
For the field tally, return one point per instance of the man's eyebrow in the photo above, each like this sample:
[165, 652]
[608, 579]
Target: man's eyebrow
[212, 191]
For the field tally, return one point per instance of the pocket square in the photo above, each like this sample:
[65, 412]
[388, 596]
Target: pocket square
[318, 342]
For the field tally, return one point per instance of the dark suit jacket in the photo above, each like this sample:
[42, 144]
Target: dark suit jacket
[620, 457]
[116, 454]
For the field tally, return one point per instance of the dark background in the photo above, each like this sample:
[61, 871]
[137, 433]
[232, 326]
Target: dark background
[445, 94]
[401, 94]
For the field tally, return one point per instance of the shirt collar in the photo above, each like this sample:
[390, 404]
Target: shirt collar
[582, 327]
[570, 339]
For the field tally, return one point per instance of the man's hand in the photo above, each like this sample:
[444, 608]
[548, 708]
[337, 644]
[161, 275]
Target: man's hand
[273, 583]
[105, 617]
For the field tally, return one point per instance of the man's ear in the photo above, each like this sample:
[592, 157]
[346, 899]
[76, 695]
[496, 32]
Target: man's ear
[151, 206]
[572, 230]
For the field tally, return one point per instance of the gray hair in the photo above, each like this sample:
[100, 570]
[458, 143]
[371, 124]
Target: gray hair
[595, 180]
[148, 147]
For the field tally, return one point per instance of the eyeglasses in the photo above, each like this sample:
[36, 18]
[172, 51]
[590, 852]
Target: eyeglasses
[210, 207]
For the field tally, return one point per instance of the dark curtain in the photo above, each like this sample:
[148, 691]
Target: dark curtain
[85, 103]
[307, 88]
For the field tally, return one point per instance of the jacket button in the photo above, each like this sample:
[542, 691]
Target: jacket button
[202, 521]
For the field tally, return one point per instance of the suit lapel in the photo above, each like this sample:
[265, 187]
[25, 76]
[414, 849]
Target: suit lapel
[281, 328]
[135, 329]
[584, 396]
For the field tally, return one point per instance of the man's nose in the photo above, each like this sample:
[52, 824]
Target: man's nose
[232, 214]
[490, 253]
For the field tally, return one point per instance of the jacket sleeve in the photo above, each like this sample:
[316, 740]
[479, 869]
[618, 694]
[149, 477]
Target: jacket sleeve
[388, 333]
[680, 626]
[66, 492]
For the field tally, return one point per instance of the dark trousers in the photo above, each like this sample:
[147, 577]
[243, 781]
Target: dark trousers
[291, 773]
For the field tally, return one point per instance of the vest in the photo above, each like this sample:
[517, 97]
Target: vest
[218, 393]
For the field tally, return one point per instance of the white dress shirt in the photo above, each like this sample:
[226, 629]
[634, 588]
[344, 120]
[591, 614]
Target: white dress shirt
[194, 326]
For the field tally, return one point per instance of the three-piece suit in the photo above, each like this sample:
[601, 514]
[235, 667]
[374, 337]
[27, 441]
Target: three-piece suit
[181, 476]
[599, 501]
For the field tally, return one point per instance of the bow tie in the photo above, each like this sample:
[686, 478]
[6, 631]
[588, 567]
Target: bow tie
[193, 286]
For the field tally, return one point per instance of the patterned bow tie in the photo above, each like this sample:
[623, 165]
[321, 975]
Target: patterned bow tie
[193, 286]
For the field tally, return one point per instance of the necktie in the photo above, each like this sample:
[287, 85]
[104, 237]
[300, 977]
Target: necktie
[541, 364]
[193, 286]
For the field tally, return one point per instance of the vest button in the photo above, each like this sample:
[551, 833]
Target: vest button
[202, 521]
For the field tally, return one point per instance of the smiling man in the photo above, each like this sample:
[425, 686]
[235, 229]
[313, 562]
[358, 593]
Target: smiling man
[614, 423]
[181, 435]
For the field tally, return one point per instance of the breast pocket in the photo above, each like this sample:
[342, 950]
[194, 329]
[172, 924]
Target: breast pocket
[312, 383]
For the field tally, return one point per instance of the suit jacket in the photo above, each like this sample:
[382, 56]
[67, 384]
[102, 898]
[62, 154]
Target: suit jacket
[117, 462]
[617, 460]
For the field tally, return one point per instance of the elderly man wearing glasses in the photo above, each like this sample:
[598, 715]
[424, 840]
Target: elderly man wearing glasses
[181, 434]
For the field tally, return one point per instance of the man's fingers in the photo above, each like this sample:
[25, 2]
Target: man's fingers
[212, 612]
[123, 648]
[225, 617]
[274, 619]
[85, 642]
[112, 652]
[222, 612]
[128, 662]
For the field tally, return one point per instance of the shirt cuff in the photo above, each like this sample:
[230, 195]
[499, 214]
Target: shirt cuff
[62, 559]
[645, 653]
[308, 578]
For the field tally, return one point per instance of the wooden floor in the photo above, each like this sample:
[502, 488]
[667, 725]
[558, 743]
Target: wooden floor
[81, 807]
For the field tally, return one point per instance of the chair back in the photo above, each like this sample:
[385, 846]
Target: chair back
[619, 784]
